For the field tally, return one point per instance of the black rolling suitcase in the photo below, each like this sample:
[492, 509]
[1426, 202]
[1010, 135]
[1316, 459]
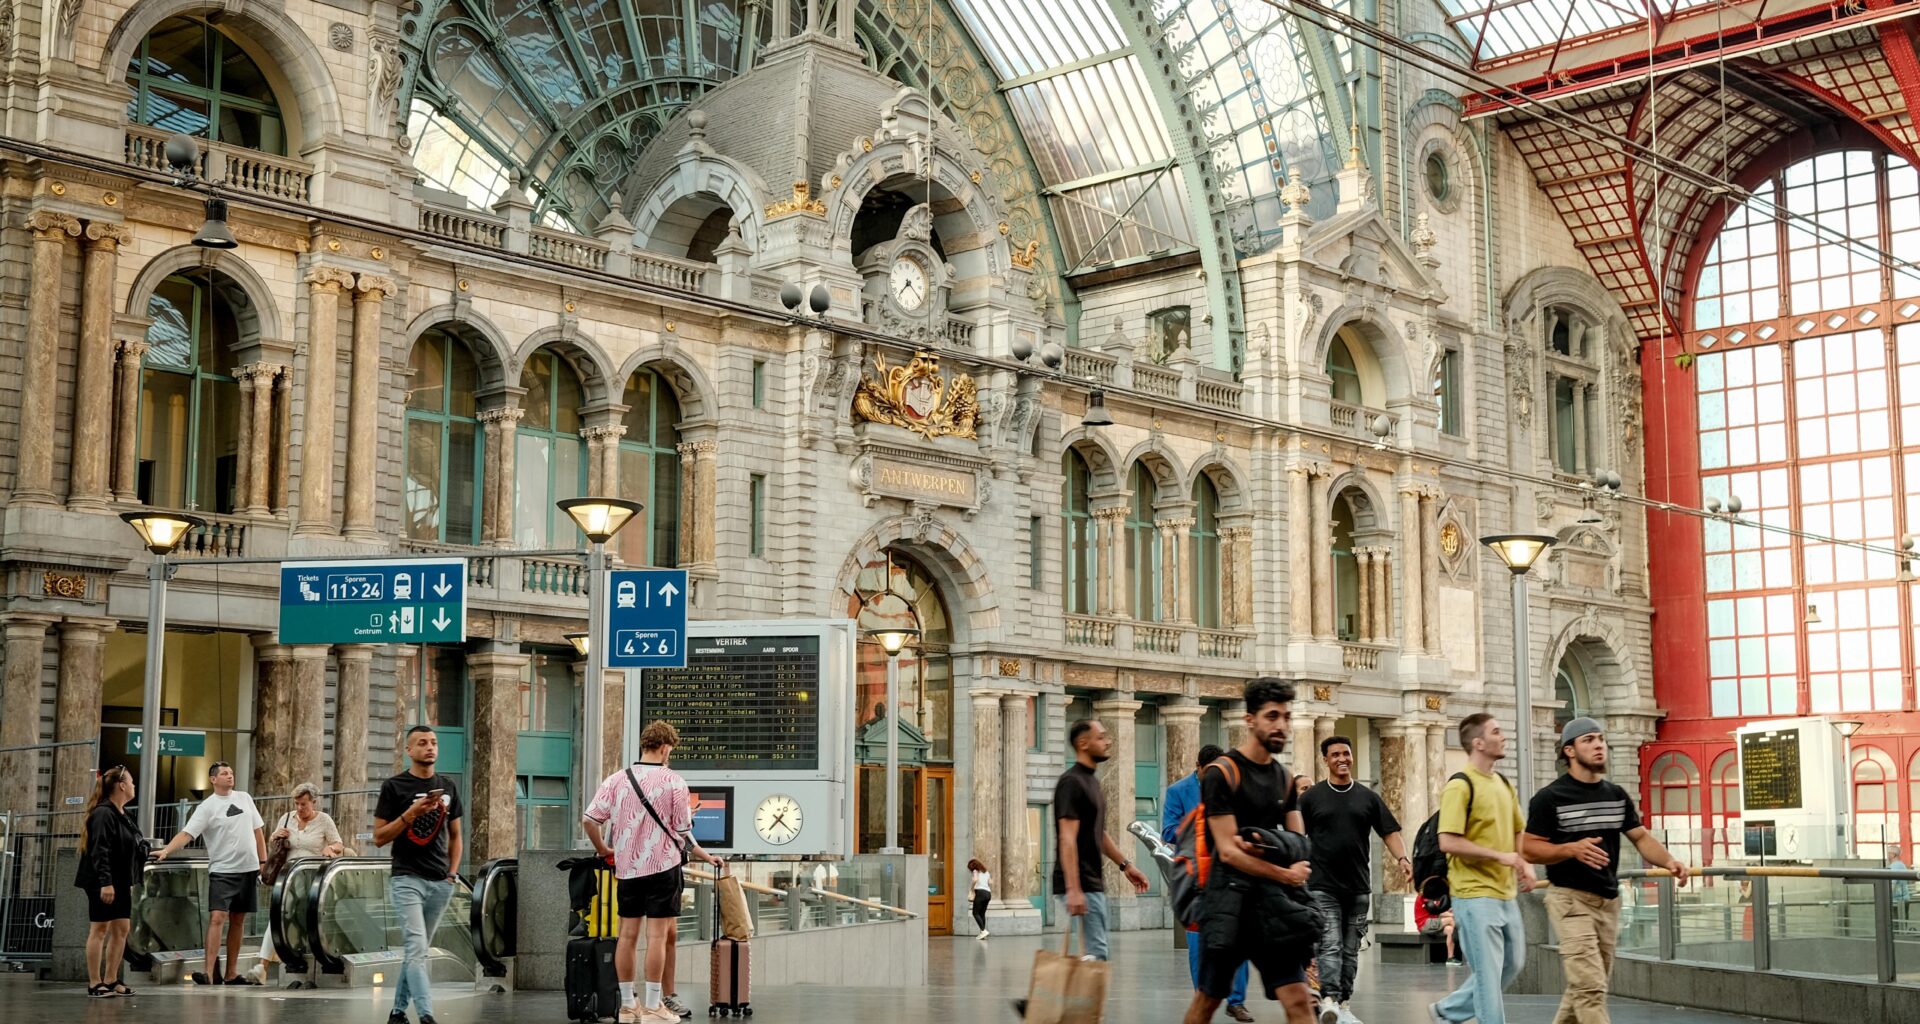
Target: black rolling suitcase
[593, 986]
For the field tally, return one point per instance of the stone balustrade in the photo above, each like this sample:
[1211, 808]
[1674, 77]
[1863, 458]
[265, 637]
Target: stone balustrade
[1173, 639]
[237, 168]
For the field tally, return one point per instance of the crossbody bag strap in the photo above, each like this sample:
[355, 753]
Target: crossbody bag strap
[655, 815]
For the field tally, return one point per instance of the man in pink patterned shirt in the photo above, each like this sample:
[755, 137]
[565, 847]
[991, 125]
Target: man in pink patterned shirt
[641, 818]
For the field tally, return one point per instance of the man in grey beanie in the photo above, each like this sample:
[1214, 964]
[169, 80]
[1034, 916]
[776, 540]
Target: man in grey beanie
[1574, 827]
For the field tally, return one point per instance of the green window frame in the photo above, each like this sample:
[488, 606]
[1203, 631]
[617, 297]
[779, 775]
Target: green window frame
[190, 341]
[756, 502]
[442, 413]
[1446, 391]
[211, 90]
[1036, 552]
[1204, 541]
[650, 470]
[1345, 373]
[550, 461]
[1143, 546]
[759, 383]
[1078, 555]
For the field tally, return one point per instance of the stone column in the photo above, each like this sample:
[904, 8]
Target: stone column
[502, 425]
[246, 443]
[1417, 804]
[1300, 553]
[282, 414]
[1394, 778]
[33, 474]
[88, 485]
[490, 476]
[1306, 756]
[984, 781]
[1233, 722]
[1579, 428]
[1116, 785]
[1116, 599]
[705, 455]
[1429, 574]
[603, 458]
[1238, 595]
[1436, 762]
[1229, 579]
[258, 454]
[1412, 564]
[363, 406]
[306, 751]
[492, 819]
[83, 644]
[1013, 882]
[1174, 603]
[352, 812]
[322, 381]
[1322, 728]
[272, 717]
[1322, 555]
[20, 709]
[1182, 721]
[613, 722]
[1363, 611]
[1381, 617]
[126, 472]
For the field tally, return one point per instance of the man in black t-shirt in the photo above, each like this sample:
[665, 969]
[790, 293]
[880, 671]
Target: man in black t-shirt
[1342, 817]
[1245, 908]
[1574, 827]
[1079, 820]
[419, 815]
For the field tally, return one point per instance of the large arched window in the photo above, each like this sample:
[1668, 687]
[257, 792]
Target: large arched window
[189, 76]
[1344, 371]
[1913, 808]
[549, 458]
[443, 441]
[650, 470]
[189, 400]
[1808, 404]
[1078, 555]
[1143, 546]
[1346, 570]
[1876, 803]
[1204, 557]
[898, 591]
[1723, 791]
[1570, 689]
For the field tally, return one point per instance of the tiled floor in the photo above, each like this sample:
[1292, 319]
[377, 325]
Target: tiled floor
[970, 982]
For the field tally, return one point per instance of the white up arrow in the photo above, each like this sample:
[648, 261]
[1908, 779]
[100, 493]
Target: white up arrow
[440, 620]
[668, 590]
[440, 589]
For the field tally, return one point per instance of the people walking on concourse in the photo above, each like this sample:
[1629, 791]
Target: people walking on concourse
[228, 825]
[107, 868]
[1574, 827]
[1181, 798]
[1480, 830]
[1342, 817]
[419, 814]
[1079, 819]
[981, 888]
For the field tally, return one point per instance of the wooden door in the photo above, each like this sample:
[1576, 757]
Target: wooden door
[937, 844]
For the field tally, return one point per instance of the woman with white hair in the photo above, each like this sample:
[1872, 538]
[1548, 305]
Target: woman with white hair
[307, 831]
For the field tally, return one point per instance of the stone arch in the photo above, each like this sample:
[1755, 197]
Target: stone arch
[1564, 286]
[1613, 679]
[1384, 345]
[489, 346]
[972, 603]
[1229, 482]
[1102, 460]
[1170, 479]
[307, 88]
[1435, 126]
[260, 321]
[588, 358]
[691, 386]
[699, 182]
[1378, 510]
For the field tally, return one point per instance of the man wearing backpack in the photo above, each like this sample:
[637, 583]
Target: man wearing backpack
[1182, 797]
[1254, 909]
[1574, 827]
[1479, 830]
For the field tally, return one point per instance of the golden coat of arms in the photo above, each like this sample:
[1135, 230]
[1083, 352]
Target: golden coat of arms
[916, 396]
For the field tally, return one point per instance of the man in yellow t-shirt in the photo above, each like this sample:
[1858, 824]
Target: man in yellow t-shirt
[1480, 829]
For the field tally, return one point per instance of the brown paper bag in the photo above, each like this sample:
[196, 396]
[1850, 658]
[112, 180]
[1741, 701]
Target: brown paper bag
[1067, 989]
[735, 921]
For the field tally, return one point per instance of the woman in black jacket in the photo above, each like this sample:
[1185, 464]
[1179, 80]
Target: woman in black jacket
[109, 863]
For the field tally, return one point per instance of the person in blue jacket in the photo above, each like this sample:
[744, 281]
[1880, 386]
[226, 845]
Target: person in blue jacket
[1182, 797]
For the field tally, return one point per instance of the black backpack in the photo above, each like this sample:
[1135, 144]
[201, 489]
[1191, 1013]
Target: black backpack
[1429, 864]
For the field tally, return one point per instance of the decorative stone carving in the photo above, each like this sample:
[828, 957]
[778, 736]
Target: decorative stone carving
[919, 397]
[1422, 237]
[1010, 667]
[1296, 194]
[387, 65]
[1306, 315]
[340, 36]
[9, 24]
[1520, 381]
[72, 586]
[1027, 255]
[802, 201]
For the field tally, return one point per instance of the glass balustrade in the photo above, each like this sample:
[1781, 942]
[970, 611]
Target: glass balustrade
[355, 917]
[170, 912]
[292, 911]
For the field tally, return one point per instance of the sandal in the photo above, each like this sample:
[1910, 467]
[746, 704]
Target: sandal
[101, 992]
[120, 989]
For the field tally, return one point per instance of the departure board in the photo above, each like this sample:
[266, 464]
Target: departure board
[1770, 770]
[742, 702]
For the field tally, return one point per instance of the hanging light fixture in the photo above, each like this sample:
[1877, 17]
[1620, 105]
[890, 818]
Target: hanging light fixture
[1096, 414]
[215, 234]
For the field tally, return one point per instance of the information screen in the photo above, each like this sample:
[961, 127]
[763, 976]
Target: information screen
[1770, 770]
[742, 702]
[712, 816]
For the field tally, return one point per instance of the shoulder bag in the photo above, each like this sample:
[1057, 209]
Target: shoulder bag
[655, 815]
[278, 850]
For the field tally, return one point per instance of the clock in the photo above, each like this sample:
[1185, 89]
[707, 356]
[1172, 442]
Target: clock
[907, 281]
[777, 819]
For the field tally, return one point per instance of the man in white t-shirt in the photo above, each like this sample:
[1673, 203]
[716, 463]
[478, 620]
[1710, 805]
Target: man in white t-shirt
[229, 826]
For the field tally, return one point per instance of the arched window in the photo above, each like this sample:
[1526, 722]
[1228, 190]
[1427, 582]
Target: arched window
[1876, 803]
[1575, 431]
[1673, 803]
[1344, 371]
[1204, 544]
[190, 77]
[650, 470]
[1143, 546]
[443, 441]
[549, 458]
[898, 591]
[189, 400]
[1078, 553]
[1570, 689]
[1913, 808]
[1346, 570]
[1723, 790]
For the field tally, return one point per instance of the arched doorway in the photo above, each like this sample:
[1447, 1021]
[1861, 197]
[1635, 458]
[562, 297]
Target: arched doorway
[894, 591]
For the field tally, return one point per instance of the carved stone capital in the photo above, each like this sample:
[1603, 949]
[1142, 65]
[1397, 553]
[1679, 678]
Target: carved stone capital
[282, 377]
[507, 414]
[326, 278]
[134, 349]
[51, 224]
[373, 287]
[104, 236]
[603, 434]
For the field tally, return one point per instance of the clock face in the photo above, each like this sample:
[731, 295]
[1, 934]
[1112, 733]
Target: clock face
[777, 819]
[908, 282]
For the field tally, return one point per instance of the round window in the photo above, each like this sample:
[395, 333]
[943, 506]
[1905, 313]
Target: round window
[1437, 183]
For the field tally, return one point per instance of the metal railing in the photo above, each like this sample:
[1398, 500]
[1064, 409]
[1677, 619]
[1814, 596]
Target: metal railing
[797, 896]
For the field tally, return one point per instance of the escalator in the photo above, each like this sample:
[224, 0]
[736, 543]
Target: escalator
[168, 932]
[495, 919]
[353, 934]
[291, 912]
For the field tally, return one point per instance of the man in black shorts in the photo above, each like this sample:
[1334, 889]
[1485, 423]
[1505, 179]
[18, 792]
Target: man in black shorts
[229, 826]
[1254, 910]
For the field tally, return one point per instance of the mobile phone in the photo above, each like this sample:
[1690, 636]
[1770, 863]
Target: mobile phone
[435, 794]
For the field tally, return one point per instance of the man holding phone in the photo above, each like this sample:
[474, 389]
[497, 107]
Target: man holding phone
[419, 815]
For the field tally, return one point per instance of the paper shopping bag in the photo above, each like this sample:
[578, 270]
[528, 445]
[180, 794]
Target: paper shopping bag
[1065, 988]
[735, 922]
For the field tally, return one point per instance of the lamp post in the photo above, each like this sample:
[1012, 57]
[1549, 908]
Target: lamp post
[599, 519]
[1846, 727]
[161, 532]
[1519, 551]
[892, 641]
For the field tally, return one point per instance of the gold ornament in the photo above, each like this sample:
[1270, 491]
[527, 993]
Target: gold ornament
[333, 245]
[1433, 702]
[916, 396]
[1323, 693]
[378, 253]
[802, 202]
[1027, 254]
[110, 199]
[671, 326]
[1450, 540]
[463, 285]
[62, 585]
[58, 188]
[1010, 667]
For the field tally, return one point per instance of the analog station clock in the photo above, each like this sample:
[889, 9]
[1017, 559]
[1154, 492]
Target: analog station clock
[907, 280]
[777, 819]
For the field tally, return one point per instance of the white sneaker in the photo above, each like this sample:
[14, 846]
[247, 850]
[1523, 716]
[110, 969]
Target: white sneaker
[1346, 1014]
[1329, 1012]
[983, 934]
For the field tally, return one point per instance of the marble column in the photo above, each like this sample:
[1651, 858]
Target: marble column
[1118, 599]
[1381, 617]
[613, 722]
[1437, 738]
[1300, 554]
[503, 426]
[1324, 627]
[89, 485]
[1229, 579]
[1413, 563]
[319, 389]
[1242, 593]
[1117, 785]
[1429, 573]
[492, 818]
[1306, 756]
[246, 443]
[39, 370]
[1233, 722]
[352, 812]
[984, 782]
[705, 455]
[260, 452]
[20, 709]
[1323, 727]
[272, 717]
[282, 414]
[490, 476]
[603, 458]
[1182, 722]
[688, 503]
[1394, 782]
[1013, 883]
[307, 747]
[1363, 610]
[1175, 605]
[126, 471]
[83, 645]
[363, 406]
[1415, 758]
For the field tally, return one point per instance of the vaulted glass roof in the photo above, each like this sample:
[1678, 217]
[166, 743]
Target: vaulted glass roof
[1500, 28]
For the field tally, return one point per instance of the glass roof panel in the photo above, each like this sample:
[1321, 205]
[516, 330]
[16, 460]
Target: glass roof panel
[1021, 38]
[1499, 28]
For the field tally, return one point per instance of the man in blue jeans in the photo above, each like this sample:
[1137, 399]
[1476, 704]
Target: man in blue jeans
[419, 815]
[1480, 830]
[1182, 797]
[1079, 816]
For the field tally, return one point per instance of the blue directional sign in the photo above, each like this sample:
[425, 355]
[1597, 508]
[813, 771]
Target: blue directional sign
[647, 619]
[405, 601]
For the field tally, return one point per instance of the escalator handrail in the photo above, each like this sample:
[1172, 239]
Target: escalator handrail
[142, 959]
[316, 936]
[292, 957]
[490, 873]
